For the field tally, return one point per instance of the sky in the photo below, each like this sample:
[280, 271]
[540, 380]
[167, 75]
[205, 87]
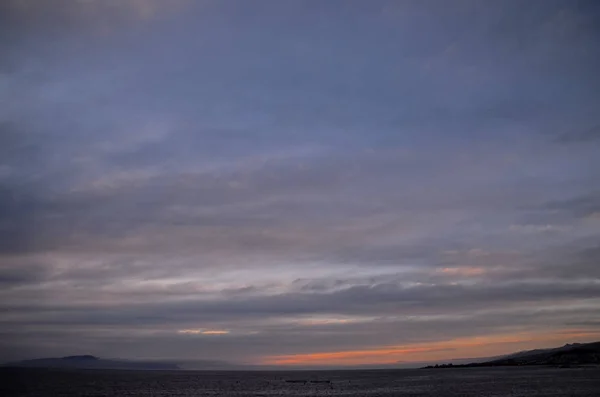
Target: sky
[298, 183]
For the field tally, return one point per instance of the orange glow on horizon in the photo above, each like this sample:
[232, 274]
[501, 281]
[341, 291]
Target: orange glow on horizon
[480, 346]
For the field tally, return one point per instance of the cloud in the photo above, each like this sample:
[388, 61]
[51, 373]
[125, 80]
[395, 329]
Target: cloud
[536, 228]
[203, 332]
[579, 206]
[310, 178]
[21, 273]
[590, 135]
[463, 271]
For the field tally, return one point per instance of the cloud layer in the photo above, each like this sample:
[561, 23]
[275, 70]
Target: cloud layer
[318, 183]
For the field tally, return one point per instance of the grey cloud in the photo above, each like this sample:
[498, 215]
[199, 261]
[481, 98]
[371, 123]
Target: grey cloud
[257, 206]
[163, 164]
[383, 299]
[589, 135]
[302, 338]
[578, 206]
[588, 324]
[18, 233]
[21, 274]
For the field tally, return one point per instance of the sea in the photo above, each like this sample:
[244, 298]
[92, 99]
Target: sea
[464, 382]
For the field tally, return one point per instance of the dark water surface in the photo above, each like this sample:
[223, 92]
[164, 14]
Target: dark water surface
[479, 382]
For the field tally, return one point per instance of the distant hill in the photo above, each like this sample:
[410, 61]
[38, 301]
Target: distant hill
[565, 356]
[91, 362]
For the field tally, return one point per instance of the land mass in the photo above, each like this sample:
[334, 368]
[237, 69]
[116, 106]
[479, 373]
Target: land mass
[92, 362]
[569, 355]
